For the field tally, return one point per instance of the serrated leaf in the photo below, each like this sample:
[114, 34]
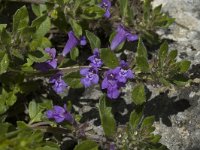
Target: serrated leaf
[76, 28]
[138, 94]
[109, 58]
[74, 53]
[107, 118]
[87, 145]
[73, 80]
[93, 39]
[20, 19]
[4, 63]
[162, 53]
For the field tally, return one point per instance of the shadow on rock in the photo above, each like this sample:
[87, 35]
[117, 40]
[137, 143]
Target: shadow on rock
[162, 107]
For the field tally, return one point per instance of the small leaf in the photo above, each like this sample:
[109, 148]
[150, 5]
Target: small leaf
[93, 39]
[141, 49]
[184, 66]
[73, 80]
[74, 53]
[162, 54]
[40, 44]
[20, 19]
[107, 118]
[4, 63]
[5, 37]
[148, 122]
[32, 109]
[87, 145]
[76, 28]
[135, 118]
[109, 58]
[172, 56]
[138, 94]
[93, 12]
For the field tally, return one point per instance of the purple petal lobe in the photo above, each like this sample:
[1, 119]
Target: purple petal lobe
[71, 43]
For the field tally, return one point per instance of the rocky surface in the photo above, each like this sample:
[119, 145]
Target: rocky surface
[181, 129]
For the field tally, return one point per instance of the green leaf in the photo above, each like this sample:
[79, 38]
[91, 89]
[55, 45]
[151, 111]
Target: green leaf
[20, 19]
[93, 39]
[141, 49]
[107, 118]
[123, 7]
[93, 12]
[87, 145]
[74, 53]
[38, 56]
[148, 122]
[135, 118]
[42, 24]
[162, 54]
[73, 80]
[138, 94]
[4, 63]
[38, 9]
[184, 66]
[2, 26]
[142, 64]
[5, 37]
[141, 57]
[172, 56]
[109, 58]
[76, 28]
[40, 44]
[32, 109]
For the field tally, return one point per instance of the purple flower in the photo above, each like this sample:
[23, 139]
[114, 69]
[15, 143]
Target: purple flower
[59, 85]
[121, 36]
[106, 4]
[111, 84]
[50, 64]
[112, 146]
[90, 76]
[72, 42]
[59, 114]
[123, 72]
[95, 59]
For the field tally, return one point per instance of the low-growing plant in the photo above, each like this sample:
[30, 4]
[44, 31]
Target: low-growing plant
[106, 49]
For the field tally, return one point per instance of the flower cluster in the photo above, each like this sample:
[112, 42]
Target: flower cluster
[59, 84]
[59, 114]
[72, 42]
[91, 76]
[115, 79]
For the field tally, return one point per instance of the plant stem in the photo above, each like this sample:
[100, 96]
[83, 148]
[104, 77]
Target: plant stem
[29, 1]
